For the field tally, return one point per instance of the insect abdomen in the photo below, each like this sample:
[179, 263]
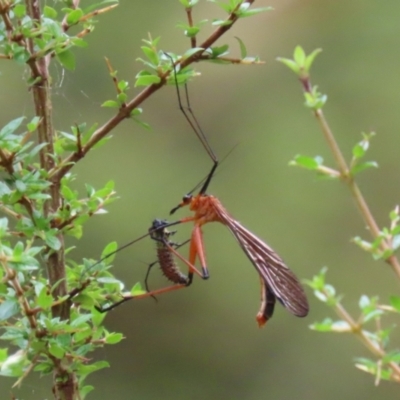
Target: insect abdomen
[168, 265]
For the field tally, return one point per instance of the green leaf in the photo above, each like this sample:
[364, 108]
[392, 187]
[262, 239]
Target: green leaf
[14, 365]
[221, 22]
[111, 104]
[219, 51]
[395, 302]
[147, 80]
[49, 12]
[97, 317]
[113, 338]
[137, 289]
[243, 50]
[108, 252]
[252, 11]
[56, 350]
[8, 309]
[3, 355]
[307, 162]
[19, 10]
[189, 3]
[3, 226]
[189, 53]
[151, 54]
[324, 326]
[11, 127]
[372, 367]
[52, 241]
[32, 126]
[74, 16]
[361, 167]
[289, 63]
[85, 390]
[310, 59]
[81, 319]
[123, 85]
[67, 59]
[359, 149]
[45, 300]
[84, 370]
[136, 111]
[299, 56]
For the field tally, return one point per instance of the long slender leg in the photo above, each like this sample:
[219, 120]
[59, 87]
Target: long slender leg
[140, 296]
[198, 247]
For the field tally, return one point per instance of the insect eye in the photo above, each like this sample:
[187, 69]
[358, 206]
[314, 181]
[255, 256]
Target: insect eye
[186, 198]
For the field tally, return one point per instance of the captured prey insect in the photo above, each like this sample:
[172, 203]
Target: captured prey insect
[277, 280]
[166, 253]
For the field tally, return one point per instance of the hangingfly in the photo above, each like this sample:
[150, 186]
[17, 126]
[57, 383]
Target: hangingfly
[277, 280]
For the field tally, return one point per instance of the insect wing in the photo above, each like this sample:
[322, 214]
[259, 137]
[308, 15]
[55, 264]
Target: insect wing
[278, 277]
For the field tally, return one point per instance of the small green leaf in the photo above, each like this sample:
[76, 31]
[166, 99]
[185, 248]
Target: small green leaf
[310, 59]
[307, 162]
[52, 241]
[289, 63]
[324, 326]
[243, 50]
[147, 80]
[137, 290]
[84, 369]
[341, 326]
[113, 338]
[121, 97]
[110, 104]
[151, 54]
[123, 85]
[11, 127]
[361, 167]
[33, 125]
[14, 365]
[109, 252]
[299, 56]
[49, 12]
[44, 300]
[19, 10]
[8, 309]
[359, 150]
[395, 302]
[74, 16]
[252, 11]
[67, 59]
[221, 22]
[56, 351]
[189, 53]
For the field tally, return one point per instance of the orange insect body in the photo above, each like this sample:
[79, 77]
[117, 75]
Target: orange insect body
[277, 280]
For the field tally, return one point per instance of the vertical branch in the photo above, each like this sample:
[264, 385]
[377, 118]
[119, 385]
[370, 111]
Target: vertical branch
[64, 381]
[41, 91]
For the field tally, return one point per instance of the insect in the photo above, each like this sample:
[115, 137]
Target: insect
[166, 253]
[277, 280]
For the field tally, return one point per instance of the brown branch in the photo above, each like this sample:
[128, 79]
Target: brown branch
[190, 22]
[57, 173]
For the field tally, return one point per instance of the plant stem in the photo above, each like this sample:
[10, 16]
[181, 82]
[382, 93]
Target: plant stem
[355, 190]
[64, 381]
[356, 329]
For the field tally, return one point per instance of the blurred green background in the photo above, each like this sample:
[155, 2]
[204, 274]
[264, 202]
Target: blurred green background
[204, 342]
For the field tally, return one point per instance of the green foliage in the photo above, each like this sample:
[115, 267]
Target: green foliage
[49, 302]
[368, 326]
